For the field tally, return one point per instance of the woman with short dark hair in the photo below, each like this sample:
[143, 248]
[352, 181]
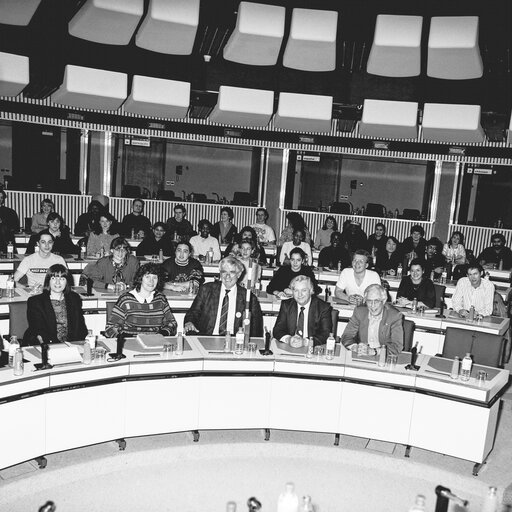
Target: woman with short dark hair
[182, 269]
[145, 308]
[62, 239]
[416, 287]
[55, 314]
[224, 230]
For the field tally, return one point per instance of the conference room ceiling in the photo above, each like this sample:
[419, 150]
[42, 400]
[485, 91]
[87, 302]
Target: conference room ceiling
[49, 46]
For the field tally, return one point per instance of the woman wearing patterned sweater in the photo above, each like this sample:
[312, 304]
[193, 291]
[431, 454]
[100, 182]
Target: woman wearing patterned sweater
[145, 308]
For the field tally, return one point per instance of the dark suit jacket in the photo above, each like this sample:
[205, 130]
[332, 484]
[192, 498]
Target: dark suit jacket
[42, 321]
[203, 312]
[319, 320]
[391, 332]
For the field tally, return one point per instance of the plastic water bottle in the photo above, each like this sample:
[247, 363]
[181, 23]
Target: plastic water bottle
[91, 339]
[444, 276]
[288, 500]
[382, 357]
[9, 287]
[227, 342]
[329, 346]
[454, 374]
[87, 357]
[239, 342]
[13, 347]
[179, 344]
[419, 504]
[161, 256]
[399, 271]
[10, 251]
[465, 372]
[19, 366]
[209, 255]
[490, 503]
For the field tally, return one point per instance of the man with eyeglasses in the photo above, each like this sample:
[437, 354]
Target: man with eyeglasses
[219, 307]
[375, 324]
[116, 271]
[36, 265]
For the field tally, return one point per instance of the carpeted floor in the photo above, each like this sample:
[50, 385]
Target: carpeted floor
[171, 473]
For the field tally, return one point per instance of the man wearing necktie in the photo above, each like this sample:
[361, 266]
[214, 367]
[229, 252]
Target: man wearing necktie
[304, 315]
[220, 306]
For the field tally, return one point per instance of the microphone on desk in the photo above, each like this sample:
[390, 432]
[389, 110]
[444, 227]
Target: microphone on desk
[414, 356]
[118, 354]
[266, 351]
[44, 364]
[89, 283]
[444, 496]
[441, 310]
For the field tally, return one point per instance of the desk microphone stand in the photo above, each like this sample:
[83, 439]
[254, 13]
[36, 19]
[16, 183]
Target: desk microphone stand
[118, 354]
[444, 496]
[44, 364]
[266, 351]
[414, 355]
[441, 310]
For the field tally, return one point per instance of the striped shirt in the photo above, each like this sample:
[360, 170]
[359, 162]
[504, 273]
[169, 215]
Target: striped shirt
[466, 295]
[131, 316]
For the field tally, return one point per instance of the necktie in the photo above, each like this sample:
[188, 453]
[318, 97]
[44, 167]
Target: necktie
[223, 323]
[300, 323]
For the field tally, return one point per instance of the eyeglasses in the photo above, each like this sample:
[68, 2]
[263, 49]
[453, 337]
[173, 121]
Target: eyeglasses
[121, 249]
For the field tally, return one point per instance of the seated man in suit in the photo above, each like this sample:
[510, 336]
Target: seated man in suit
[375, 323]
[303, 316]
[219, 307]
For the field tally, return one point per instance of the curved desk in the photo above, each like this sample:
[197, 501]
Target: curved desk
[77, 405]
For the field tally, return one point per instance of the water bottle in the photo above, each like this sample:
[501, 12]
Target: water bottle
[288, 500]
[454, 374]
[91, 339]
[239, 342]
[231, 506]
[161, 256]
[399, 271]
[83, 250]
[179, 345]
[309, 344]
[13, 347]
[471, 316]
[87, 357]
[209, 255]
[329, 346]
[444, 276]
[9, 287]
[227, 342]
[419, 504]
[415, 305]
[19, 366]
[465, 372]
[10, 251]
[382, 357]
[490, 503]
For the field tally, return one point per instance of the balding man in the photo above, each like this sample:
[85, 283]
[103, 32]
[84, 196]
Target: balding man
[304, 315]
[375, 323]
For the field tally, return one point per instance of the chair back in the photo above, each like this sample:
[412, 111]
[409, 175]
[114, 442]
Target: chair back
[411, 214]
[440, 290]
[18, 322]
[487, 349]
[409, 326]
[499, 308]
[131, 191]
[242, 198]
[375, 210]
[335, 314]
[341, 207]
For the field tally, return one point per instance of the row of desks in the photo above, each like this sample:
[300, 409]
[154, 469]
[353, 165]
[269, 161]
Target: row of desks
[78, 405]
[429, 330]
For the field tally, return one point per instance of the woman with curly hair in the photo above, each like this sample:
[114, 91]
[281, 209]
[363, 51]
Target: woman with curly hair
[145, 308]
[224, 230]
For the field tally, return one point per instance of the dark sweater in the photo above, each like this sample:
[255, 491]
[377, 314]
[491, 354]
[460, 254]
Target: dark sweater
[285, 274]
[424, 292]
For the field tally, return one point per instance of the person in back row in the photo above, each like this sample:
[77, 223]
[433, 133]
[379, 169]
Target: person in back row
[297, 242]
[335, 254]
[39, 219]
[60, 232]
[224, 230]
[178, 227]
[203, 242]
[414, 246]
[496, 256]
[155, 241]
[135, 222]
[264, 232]
[353, 281]
[36, 265]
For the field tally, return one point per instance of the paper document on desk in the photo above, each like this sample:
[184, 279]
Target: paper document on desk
[151, 340]
[61, 353]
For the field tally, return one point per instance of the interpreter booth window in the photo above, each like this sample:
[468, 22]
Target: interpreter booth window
[38, 157]
[182, 171]
[347, 184]
[483, 196]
